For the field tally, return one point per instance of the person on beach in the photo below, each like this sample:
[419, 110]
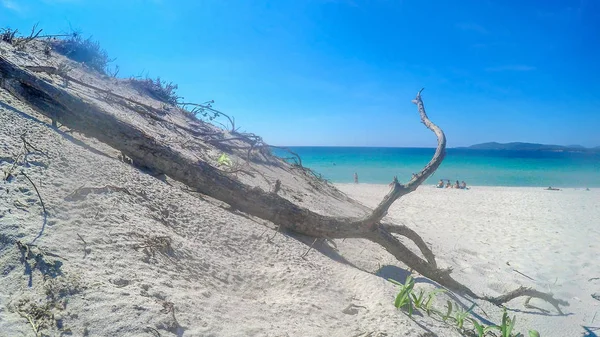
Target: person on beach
[457, 185]
[355, 178]
[463, 185]
[448, 184]
[440, 184]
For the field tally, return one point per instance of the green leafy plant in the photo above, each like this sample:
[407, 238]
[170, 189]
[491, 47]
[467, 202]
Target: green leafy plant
[448, 311]
[404, 297]
[224, 160]
[480, 328]
[507, 325]
[408, 300]
[418, 300]
[462, 315]
[431, 299]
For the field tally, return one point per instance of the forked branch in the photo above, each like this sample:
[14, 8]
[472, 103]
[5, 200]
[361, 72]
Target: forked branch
[398, 190]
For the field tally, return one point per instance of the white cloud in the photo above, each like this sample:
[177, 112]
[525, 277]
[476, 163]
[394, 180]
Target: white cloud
[512, 67]
[12, 5]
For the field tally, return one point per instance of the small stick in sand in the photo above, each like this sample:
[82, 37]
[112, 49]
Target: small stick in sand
[27, 145]
[523, 274]
[85, 249]
[309, 248]
[277, 231]
[45, 214]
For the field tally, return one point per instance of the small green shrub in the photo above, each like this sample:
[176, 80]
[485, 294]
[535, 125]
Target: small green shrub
[157, 89]
[409, 300]
[418, 300]
[461, 316]
[507, 325]
[86, 51]
[224, 160]
[481, 329]
[448, 311]
[430, 299]
[404, 297]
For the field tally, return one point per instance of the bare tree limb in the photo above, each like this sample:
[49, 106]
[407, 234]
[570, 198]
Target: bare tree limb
[398, 190]
[412, 235]
[529, 292]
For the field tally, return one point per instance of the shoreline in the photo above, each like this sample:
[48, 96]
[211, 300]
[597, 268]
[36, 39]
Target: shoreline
[472, 186]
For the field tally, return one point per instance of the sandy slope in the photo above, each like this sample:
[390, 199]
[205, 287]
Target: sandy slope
[486, 233]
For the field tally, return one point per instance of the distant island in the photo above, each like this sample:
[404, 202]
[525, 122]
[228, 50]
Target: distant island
[518, 146]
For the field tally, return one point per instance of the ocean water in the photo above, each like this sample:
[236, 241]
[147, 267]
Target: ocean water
[475, 167]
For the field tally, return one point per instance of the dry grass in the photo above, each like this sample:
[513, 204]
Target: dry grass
[86, 51]
[156, 88]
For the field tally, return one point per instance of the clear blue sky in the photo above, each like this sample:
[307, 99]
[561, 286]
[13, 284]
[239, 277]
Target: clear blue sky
[343, 72]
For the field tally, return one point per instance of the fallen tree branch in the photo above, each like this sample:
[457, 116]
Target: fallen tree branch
[151, 152]
[399, 190]
[529, 292]
[412, 235]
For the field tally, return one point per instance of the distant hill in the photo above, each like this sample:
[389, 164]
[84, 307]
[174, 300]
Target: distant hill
[518, 146]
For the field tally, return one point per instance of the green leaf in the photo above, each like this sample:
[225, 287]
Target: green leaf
[224, 160]
[534, 333]
[511, 326]
[478, 327]
[395, 282]
[448, 312]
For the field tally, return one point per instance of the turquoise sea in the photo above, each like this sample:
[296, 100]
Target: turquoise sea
[475, 167]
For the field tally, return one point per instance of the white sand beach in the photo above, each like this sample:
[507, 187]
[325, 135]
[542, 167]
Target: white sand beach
[494, 235]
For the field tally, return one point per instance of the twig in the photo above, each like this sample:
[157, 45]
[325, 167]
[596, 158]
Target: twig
[32, 36]
[309, 248]
[288, 150]
[36, 191]
[28, 145]
[209, 108]
[154, 331]
[43, 207]
[277, 231]
[12, 167]
[85, 251]
[523, 274]
[263, 233]
[31, 321]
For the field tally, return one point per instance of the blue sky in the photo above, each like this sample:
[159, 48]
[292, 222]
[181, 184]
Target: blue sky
[343, 72]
